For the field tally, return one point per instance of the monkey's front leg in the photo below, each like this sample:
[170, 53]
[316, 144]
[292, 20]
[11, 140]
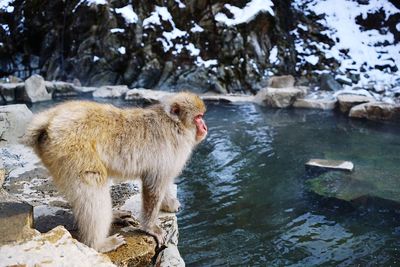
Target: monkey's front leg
[152, 198]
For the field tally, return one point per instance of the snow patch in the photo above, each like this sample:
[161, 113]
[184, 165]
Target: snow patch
[273, 55]
[128, 14]
[246, 14]
[114, 30]
[122, 50]
[6, 5]
[206, 63]
[312, 59]
[18, 159]
[180, 4]
[196, 28]
[95, 58]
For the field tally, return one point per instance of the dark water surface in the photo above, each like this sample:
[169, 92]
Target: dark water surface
[245, 201]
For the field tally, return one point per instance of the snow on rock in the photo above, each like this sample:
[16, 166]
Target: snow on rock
[55, 248]
[246, 14]
[122, 50]
[18, 159]
[129, 15]
[206, 63]
[357, 50]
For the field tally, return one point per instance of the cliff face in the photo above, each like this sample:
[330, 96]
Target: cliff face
[222, 46]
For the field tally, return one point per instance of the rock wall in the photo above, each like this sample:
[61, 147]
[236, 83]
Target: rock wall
[222, 46]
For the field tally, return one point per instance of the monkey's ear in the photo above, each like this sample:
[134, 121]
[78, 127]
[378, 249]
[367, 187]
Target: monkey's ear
[175, 109]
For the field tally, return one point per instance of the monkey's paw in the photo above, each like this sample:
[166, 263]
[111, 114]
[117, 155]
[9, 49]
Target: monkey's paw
[170, 205]
[111, 243]
[159, 234]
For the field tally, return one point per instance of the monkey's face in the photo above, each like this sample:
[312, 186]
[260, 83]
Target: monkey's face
[201, 127]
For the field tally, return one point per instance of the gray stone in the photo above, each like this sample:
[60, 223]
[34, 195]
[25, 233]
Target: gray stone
[13, 122]
[330, 164]
[324, 104]
[9, 91]
[16, 219]
[347, 101]
[111, 91]
[328, 83]
[283, 81]
[376, 111]
[278, 97]
[171, 257]
[59, 88]
[35, 89]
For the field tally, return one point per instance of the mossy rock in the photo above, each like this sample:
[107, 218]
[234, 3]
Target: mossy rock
[352, 186]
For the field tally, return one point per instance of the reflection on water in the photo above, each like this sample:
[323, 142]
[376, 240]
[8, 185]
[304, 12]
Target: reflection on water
[244, 200]
[244, 197]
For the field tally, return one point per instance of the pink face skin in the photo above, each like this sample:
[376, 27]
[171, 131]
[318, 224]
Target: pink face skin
[201, 127]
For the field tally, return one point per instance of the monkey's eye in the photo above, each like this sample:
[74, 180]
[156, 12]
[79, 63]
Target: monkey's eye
[200, 116]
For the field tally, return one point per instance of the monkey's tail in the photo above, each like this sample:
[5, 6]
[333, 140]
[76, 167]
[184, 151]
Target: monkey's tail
[36, 133]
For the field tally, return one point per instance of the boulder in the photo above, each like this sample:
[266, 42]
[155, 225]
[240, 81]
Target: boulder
[347, 101]
[324, 104]
[111, 91]
[278, 97]
[327, 164]
[281, 81]
[9, 91]
[376, 111]
[13, 122]
[328, 83]
[35, 90]
[16, 219]
[55, 248]
[58, 88]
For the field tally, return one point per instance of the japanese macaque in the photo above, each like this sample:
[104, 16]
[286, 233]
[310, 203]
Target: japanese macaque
[84, 143]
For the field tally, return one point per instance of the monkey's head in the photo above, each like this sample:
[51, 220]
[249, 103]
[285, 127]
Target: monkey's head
[189, 109]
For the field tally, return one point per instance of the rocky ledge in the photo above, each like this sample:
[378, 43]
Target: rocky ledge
[36, 223]
[281, 92]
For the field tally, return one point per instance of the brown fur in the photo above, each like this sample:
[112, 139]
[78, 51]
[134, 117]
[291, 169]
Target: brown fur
[84, 143]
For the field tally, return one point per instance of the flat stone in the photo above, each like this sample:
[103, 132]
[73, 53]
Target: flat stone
[347, 101]
[58, 88]
[13, 122]
[330, 164]
[55, 248]
[376, 111]
[35, 89]
[324, 104]
[278, 97]
[228, 98]
[111, 91]
[16, 219]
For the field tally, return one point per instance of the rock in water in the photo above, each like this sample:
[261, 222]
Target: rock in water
[35, 89]
[330, 164]
[324, 104]
[376, 111]
[347, 101]
[111, 91]
[278, 97]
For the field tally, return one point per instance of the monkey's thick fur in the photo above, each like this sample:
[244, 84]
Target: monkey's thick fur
[82, 144]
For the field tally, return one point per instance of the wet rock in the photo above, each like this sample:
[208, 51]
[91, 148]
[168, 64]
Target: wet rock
[376, 111]
[324, 104]
[281, 81]
[328, 83]
[111, 91]
[9, 92]
[138, 250]
[347, 101]
[278, 97]
[35, 90]
[55, 248]
[13, 122]
[326, 164]
[16, 219]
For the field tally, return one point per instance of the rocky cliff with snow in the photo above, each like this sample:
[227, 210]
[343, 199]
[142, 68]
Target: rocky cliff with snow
[220, 46]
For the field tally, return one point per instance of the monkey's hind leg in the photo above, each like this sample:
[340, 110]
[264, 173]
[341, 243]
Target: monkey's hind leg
[92, 209]
[170, 203]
